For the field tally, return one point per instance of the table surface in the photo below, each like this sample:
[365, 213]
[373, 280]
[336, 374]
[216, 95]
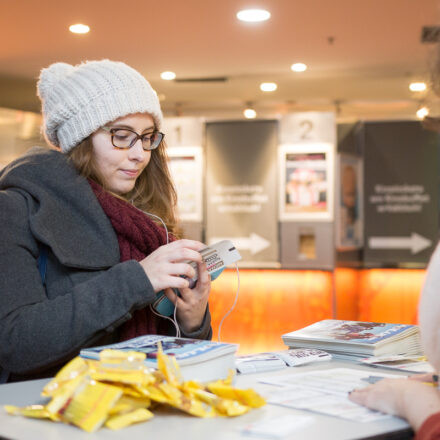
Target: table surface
[172, 424]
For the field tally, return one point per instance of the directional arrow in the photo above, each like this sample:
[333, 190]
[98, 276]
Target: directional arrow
[254, 243]
[415, 242]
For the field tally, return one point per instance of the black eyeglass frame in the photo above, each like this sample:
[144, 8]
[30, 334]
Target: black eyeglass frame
[154, 145]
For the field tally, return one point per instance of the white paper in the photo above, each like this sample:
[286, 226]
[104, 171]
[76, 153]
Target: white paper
[324, 391]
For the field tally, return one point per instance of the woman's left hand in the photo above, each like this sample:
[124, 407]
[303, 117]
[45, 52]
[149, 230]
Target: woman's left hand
[191, 305]
[410, 399]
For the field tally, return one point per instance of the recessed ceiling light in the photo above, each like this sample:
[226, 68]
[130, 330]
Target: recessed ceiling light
[417, 87]
[168, 75]
[79, 28]
[253, 15]
[268, 87]
[250, 113]
[422, 112]
[298, 67]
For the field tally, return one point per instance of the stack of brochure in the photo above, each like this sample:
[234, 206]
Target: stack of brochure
[198, 359]
[357, 339]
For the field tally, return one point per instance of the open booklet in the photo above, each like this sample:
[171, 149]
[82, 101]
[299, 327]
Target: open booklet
[260, 362]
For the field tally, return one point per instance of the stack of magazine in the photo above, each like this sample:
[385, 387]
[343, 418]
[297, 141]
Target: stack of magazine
[198, 359]
[357, 339]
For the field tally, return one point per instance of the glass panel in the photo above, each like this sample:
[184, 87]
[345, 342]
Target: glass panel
[19, 131]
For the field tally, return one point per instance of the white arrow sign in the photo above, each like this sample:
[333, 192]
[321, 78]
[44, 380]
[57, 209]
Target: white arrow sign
[415, 242]
[254, 243]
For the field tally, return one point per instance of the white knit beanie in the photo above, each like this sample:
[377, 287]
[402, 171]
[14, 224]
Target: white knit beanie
[77, 100]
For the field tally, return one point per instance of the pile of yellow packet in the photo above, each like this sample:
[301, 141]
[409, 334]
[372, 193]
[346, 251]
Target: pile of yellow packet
[118, 390]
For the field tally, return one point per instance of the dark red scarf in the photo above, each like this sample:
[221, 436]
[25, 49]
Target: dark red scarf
[138, 236]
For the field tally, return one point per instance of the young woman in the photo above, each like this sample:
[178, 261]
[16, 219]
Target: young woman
[88, 236]
[416, 399]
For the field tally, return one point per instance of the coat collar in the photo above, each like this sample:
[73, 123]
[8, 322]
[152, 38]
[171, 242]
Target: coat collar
[63, 210]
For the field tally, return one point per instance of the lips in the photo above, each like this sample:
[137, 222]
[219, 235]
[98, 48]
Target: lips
[131, 173]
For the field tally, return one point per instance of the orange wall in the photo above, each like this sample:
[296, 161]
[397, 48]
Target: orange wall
[390, 295]
[273, 302]
[270, 303]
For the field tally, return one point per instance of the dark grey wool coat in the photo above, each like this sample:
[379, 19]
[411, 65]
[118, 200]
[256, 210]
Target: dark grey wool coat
[88, 292]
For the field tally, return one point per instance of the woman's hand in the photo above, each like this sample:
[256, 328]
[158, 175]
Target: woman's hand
[191, 305]
[425, 377]
[410, 399]
[166, 264]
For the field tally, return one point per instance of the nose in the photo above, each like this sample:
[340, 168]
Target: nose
[136, 152]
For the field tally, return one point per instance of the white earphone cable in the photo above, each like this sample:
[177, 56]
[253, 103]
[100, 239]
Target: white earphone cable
[174, 319]
[233, 305]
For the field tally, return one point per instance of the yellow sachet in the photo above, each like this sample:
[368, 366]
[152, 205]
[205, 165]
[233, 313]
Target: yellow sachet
[231, 408]
[129, 390]
[62, 394]
[168, 366]
[121, 358]
[191, 384]
[76, 367]
[128, 403]
[121, 421]
[90, 405]
[247, 397]
[125, 367]
[186, 403]
[227, 381]
[153, 392]
[140, 376]
[224, 407]
[34, 411]
[118, 388]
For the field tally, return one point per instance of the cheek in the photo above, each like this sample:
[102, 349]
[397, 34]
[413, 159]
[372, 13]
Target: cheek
[104, 165]
[147, 160]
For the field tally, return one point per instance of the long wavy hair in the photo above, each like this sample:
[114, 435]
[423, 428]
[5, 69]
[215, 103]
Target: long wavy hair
[153, 192]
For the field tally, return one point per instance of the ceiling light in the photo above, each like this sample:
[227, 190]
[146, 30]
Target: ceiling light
[79, 28]
[422, 112]
[253, 15]
[417, 87]
[298, 67]
[268, 87]
[250, 113]
[168, 75]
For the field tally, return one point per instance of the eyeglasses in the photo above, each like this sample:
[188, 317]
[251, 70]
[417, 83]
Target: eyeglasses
[125, 138]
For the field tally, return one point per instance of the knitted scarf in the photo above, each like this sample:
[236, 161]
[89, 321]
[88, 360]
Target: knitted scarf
[138, 236]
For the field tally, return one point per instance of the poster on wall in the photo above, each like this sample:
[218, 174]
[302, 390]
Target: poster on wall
[186, 171]
[241, 189]
[349, 202]
[306, 176]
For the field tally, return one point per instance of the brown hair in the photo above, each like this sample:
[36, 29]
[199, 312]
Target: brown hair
[153, 192]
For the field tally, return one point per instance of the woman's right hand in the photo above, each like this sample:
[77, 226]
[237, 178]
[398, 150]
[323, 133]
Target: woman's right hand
[166, 264]
[410, 399]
